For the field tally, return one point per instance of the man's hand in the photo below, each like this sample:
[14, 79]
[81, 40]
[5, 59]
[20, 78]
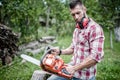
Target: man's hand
[70, 69]
[56, 50]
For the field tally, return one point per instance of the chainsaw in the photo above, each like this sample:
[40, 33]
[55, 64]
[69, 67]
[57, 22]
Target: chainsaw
[50, 62]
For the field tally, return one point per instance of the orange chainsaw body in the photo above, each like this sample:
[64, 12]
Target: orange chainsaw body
[52, 63]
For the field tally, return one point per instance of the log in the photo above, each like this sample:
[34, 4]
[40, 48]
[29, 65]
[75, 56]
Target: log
[38, 44]
[35, 51]
[40, 75]
[30, 45]
[49, 38]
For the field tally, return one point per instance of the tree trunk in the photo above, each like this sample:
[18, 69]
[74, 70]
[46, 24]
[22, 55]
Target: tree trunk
[48, 17]
[117, 30]
[111, 41]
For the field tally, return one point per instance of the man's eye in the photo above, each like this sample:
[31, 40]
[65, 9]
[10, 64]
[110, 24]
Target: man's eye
[78, 13]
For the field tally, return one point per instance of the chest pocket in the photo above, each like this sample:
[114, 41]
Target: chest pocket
[83, 39]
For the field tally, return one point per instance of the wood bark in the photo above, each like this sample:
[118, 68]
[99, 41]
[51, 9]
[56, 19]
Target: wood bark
[40, 75]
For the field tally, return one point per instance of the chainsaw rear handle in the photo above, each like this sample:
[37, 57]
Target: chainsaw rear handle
[65, 71]
[47, 51]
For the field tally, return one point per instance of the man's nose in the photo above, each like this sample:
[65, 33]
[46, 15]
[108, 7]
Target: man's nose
[76, 17]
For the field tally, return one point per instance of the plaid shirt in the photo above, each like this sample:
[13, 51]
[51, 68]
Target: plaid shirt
[87, 42]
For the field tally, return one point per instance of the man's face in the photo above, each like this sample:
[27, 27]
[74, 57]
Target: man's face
[77, 13]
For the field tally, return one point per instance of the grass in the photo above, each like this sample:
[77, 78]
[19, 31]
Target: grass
[108, 69]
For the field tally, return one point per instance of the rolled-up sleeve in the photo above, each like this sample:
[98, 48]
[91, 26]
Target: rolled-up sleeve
[97, 44]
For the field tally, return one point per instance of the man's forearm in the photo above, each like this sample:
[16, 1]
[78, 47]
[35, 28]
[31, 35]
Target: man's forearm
[88, 62]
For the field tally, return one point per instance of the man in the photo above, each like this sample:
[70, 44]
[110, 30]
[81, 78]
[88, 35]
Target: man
[86, 47]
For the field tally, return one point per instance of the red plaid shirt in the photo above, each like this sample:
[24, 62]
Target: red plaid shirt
[87, 42]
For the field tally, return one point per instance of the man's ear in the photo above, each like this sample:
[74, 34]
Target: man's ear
[84, 8]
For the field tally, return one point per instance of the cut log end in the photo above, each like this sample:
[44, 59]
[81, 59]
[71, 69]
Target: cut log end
[40, 75]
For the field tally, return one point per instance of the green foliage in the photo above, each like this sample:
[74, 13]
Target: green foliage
[93, 11]
[103, 11]
[65, 28]
[110, 10]
[22, 16]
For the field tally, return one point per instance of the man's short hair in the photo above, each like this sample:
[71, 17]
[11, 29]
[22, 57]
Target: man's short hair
[73, 3]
